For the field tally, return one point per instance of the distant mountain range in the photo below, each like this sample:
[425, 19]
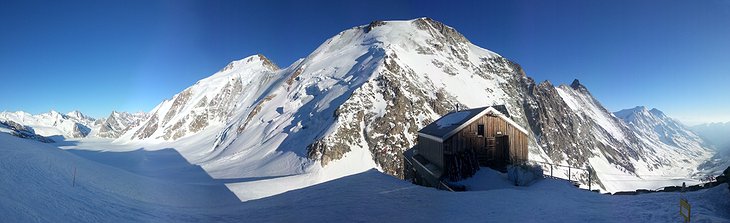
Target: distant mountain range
[716, 134]
[74, 124]
[361, 97]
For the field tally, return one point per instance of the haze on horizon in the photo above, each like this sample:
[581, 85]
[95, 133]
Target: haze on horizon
[96, 57]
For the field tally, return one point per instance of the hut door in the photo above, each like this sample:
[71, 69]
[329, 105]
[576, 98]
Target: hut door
[501, 149]
[485, 155]
[489, 149]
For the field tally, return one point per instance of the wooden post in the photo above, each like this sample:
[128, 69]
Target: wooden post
[568, 172]
[73, 184]
[551, 170]
[589, 178]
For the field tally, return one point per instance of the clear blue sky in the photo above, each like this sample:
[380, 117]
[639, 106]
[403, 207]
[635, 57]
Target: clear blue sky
[99, 56]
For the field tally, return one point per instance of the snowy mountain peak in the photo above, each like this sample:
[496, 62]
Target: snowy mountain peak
[657, 113]
[578, 86]
[373, 24]
[258, 60]
[116, 124]
[79, 116]
[367, 89]
[663, 131]
[211, 101]
[359, 99]
[630, 111]
[424, 35]
[52, 123]
[545, 84]
[54, 113]
[640, 112]
[426, 23]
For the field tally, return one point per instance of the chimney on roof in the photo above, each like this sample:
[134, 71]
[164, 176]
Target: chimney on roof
[457, 107]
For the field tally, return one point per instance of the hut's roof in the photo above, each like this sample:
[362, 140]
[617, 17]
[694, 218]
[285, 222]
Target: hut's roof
[451, 123]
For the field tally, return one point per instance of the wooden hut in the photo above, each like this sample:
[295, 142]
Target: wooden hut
[457, 144]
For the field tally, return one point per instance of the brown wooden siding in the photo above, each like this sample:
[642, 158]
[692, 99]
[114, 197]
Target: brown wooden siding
[467, 138]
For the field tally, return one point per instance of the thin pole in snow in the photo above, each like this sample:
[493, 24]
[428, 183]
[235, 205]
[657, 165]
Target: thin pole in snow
[73, 184]
[589, 178]
[568, 172]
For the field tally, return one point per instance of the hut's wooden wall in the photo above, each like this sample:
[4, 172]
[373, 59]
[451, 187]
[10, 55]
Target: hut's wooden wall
[431, 150]
[467, 138]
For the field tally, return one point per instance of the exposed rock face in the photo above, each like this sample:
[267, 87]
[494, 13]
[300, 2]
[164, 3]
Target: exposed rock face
[255, 111]
[564, 135]
[220, 105]
[117, 123]
[200, 122]
[22, 131]
[175, 131]
[265, 62]
[373, 25]
[385, 134]
[148, 129]
[212, 101]
[443, 34]
[80, 131]
[568, 137]
[372, 87]
[568, 125]
[385, 113]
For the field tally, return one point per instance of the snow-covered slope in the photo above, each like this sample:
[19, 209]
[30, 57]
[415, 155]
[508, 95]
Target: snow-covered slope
[660, 128]
[374, 197]
[357, 100]
[42, 183]
[21, 131]
[71, 125]
[270, 137]
[37, 184]
[368, 89]
[209, 102]
[637, 149]
[363, 94]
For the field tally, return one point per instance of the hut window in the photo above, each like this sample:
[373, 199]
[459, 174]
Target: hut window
[480, 130]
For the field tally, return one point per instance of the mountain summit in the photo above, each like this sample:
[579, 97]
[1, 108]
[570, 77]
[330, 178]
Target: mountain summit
[362, 95]
[660, 128]
[358, 100]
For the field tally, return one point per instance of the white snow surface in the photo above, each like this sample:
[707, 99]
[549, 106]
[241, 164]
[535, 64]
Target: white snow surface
[141, 185]
[587, 105]
[52, 123]
[278, 113]
[256, 137]
[261, 129]
[452, 119]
